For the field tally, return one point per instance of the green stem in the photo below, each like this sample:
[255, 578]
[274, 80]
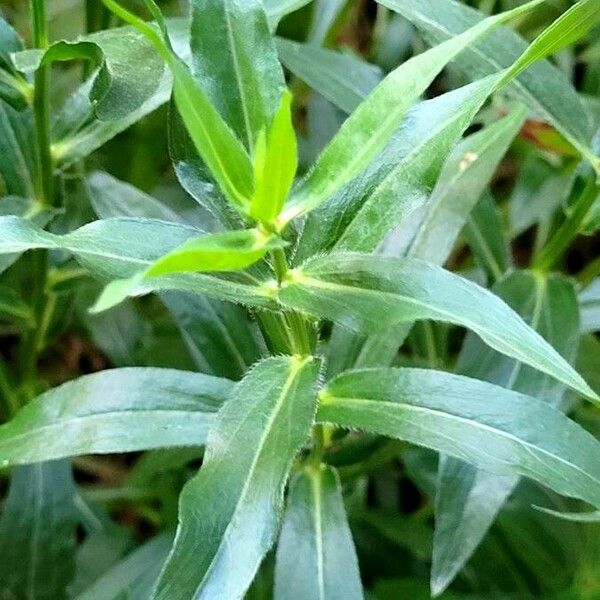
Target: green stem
[589, 273]
[11, 401]
[41, 106]
[558, 244]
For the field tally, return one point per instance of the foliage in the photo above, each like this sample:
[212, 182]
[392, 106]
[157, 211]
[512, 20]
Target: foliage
[320, 280]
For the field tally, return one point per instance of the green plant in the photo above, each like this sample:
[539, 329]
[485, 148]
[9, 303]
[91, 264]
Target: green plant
[292, 301]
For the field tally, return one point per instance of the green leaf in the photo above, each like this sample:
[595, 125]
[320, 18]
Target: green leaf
[133, 577]
[119, 410]
[485, 233]
[218, 146]
[221, 338]
[315, 553]
[491, 427]
[343, 79]
[228, 513]
[589, 306]
[14, 308]
[14, 89]
[37, 532]
[120, 248]
[468, 500]
[17, 162]
[371, 293]
[234, 60]
[366, 132]
[543, 88]
[224, 251]
[111, 198]
[277, 9]
[275, 167]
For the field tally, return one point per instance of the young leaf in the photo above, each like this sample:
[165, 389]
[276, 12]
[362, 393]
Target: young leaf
[315, 553]
[468, 500]
[121, 248]
[119, 410]
[543, 88]
[234, 60]
[276, 165]
[227, 251]
[365, 133]
[444, 412]
[223, 153]
[371, 293]
[228, 513]
[37, 532]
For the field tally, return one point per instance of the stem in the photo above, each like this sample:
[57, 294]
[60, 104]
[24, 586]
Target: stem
[589, 273]
[557, 245]
[7, 392]
[41, 106]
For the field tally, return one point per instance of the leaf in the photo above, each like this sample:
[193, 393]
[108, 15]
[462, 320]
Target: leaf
[589, 306]
[228, 513]
[371, 293]
[366, 132]
[130, 70]
[111, 198]
[315, 553]
[543, 87]
[485, 232]
[37, 532]
[468, 500]
[118, 410]
[577, 517]
[275, 171]
[134, 576]
[220, 336]
[222, 152]
[398, 183]
[234, 60]
[444, 412]
[223, 251]
[277, 9]
[14, 308]
[120, 248]
[343, 79]
[17, 164]
[14, 89]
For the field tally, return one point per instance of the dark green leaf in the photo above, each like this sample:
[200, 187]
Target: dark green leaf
[229, 512]
[37, 533]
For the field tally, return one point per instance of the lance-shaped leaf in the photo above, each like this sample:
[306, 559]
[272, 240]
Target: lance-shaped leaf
[119, 410]
[544, 88]
[227, 251]
[491, 427]
[37, 532]
[344, 79]
[468, 500]
[218, 146]
[120, 248]
[315, 553]
[589, 306]
[371, 293]
[275, 164]
[366, 132]
[234, 60]
[228, 514]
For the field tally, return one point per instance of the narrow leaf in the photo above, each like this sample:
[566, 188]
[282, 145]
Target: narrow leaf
[315, 554]
[445, 412]
[119, 410]
[275, 171]
[366, 132]
[229, 512]
[371, 293]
